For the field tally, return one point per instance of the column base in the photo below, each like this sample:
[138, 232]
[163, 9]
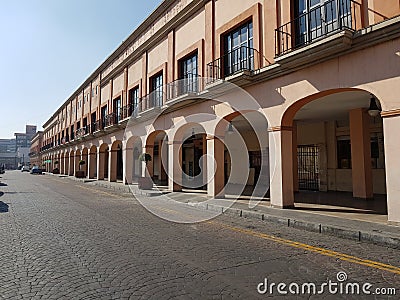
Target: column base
[364, 198]
[283, 207]
[393, 223]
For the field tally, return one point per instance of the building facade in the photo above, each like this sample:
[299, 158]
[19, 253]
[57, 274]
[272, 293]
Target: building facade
[34, 153]
[259, 96]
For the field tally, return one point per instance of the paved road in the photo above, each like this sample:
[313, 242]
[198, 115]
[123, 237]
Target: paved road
[61, 239]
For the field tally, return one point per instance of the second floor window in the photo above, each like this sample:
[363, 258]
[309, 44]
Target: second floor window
[104, 114]
[239, 53]
[189, 74]
[156, 98]
[316, 18]
[117, 109]
[133, 99]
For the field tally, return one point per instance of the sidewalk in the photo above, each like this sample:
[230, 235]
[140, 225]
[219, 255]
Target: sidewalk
[357, 226]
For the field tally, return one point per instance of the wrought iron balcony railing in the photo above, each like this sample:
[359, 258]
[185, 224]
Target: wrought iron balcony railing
[110, 120]
[192, 84]
[81, 132]
[129, 110]
[47, 147]
[235, 61]
[321, 21]
[152, 100]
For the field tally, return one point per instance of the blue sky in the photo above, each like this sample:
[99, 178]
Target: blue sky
[49, 47]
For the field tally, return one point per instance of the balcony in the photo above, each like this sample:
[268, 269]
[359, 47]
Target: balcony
[318, 23]
[82, 132]
[151, 102]
[237, 61]
[47, 147]
[183, 89]
[95, 127]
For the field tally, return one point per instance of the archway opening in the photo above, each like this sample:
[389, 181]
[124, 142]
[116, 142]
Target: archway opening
[103, 162]
[246, 156]
[116, 161]
[193, 162]
[92, 162]
[156, 146]
[338, 155]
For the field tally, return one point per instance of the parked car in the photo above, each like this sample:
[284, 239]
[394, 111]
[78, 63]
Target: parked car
[25, 169]
[36, 170]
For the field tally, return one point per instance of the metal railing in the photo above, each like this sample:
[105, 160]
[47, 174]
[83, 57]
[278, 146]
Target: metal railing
[235, 61]
[110, 120]
[319, 22]
[95, 126]
[190, 85]
[81, 132]
[46, 147]
[152, 100]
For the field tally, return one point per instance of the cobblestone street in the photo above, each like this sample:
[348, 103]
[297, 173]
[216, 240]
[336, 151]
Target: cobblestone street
[62, 239]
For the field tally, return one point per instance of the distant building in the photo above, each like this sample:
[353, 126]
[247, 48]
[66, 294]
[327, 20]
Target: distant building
[36, 144]
[24, 139]
[15, 152]
[7, 145]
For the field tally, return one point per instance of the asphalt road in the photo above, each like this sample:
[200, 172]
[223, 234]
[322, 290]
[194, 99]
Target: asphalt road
[62, 239]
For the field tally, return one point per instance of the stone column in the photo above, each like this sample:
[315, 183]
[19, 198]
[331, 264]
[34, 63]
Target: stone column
[92, 164]
[112, 165]
[163, 150]
[174, 166]
[72, 165]
[361, 154]
[150, 170]
[204, 164]
[281, 167]
[294, 156]
[127, 157]
[391, 129]
[215, 167]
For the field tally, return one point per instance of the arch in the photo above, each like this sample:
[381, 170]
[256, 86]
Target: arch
[242, 142]
[156, 168]
[116, 161]
[137, 149]
[332, 125]
[291, 111]
[103, 161]
[77, 159]
[152, 136]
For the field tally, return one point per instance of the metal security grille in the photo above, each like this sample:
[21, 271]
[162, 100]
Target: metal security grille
[308, 167]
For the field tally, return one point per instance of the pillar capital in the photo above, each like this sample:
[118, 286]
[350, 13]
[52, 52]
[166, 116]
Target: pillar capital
[213, 137]
[390, 113]
[280, 128]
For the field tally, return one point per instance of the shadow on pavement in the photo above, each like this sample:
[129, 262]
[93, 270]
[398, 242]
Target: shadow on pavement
[1, 194]
[3, 207]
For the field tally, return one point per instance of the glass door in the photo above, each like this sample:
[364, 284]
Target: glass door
[239, 50]
[189, 74]
[317, 18]
[117, 110]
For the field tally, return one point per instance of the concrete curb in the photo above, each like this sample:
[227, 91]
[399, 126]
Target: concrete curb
[326, 229]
